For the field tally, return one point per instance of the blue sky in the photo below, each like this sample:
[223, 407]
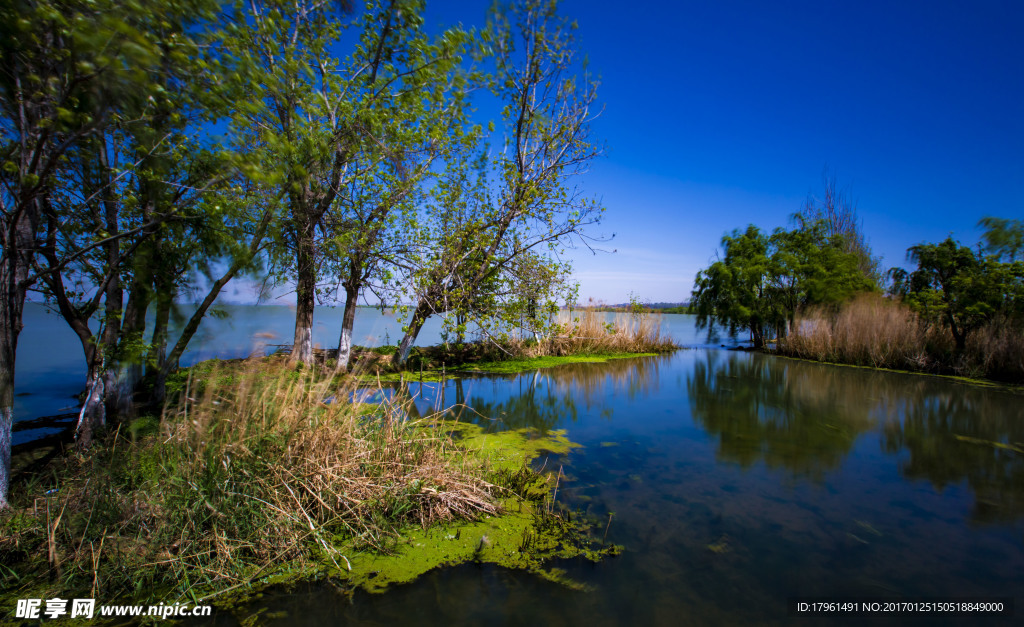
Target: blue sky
[719, 114]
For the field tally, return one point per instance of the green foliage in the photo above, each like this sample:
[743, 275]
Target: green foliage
[1003, 238]
[763, 281]
[962, 289]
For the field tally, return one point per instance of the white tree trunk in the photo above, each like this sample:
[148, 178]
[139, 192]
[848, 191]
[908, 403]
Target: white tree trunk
[6, 424]
[344, 348]
[93, 414]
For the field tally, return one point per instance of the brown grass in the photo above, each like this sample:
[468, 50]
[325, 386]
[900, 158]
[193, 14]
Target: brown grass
[872, 330]
[589, 331]
[255, 471]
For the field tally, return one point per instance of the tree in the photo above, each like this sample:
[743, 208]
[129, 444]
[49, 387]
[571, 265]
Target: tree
[144, 173]
[546, 118]
[733, 291]
[961, 289]
[415, 124]
[1003, 238]
[764, 281]
[63, 65]
[838, 217]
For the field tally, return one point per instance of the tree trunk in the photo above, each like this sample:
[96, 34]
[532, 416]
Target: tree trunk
[415, 324]
[305, 295]
[348, 321]
[959, 336]
[8, 347]
[128, 365]
[93, 414]
[158, 347]
[171, 363]
[757, 335]
[15, 261]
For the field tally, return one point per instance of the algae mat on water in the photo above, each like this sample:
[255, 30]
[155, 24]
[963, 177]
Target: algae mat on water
[528, 533]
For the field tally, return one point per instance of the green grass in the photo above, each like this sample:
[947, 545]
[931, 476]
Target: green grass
[258, 480]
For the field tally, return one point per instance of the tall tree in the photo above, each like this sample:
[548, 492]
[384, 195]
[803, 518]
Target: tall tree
[548, 107]
[143, 170]
[763, 281]
[732, 291]
[60, 62]
[320, 115]
[416, 123]
[961, 289]
[837, 214]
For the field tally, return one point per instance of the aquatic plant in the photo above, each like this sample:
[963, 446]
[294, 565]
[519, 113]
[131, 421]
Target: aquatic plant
[261, 468]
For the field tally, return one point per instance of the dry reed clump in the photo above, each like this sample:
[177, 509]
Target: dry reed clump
[875, 331]
[870, 330]
[997, 349]
[256, 471]
[592, 332]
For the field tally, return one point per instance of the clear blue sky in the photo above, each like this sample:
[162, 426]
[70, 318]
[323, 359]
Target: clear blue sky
[719, 114]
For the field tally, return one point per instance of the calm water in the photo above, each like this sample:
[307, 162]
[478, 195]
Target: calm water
[737, 481]
[50, 371]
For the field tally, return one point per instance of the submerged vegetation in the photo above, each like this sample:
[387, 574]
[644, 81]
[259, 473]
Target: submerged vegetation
[261, 471]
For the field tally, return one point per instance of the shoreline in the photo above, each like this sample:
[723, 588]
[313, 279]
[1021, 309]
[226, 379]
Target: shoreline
[521, 526]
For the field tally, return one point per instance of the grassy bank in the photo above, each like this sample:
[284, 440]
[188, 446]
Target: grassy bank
[586, 337]
[259, 474]
[883, 333]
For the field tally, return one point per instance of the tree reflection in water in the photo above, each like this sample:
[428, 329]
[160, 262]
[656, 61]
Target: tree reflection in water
[543, 399]
[956, 433]
[805, 417]
[793, 415]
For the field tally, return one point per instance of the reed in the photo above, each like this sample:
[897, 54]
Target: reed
[591, 332]
[872, 330]
[258, 469]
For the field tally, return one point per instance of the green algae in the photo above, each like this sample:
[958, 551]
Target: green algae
[509, 366]
[528, 534]
[507, 450]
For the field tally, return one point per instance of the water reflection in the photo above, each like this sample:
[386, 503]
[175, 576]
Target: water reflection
[793, 415]
[879, 478]
[806, 417]
[958, 433]
[544, 399]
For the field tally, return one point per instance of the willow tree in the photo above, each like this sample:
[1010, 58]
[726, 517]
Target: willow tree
[535, 210]
[762, 281]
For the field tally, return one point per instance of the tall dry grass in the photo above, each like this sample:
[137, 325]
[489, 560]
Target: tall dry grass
[872, 330]
[589, 331]
[258, 469]
[997, 349]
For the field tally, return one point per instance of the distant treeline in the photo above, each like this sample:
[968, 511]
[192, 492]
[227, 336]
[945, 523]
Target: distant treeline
[676, 308]
[818, 292]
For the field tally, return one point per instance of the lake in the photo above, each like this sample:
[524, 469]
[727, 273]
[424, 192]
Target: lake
[735, 481]
[50, 368]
